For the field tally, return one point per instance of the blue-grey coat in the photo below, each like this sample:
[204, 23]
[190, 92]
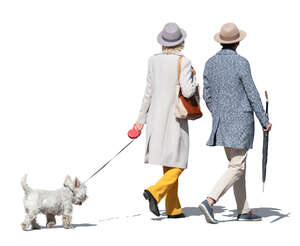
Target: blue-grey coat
[231, 97]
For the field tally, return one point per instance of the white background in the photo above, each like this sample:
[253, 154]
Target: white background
[72, 77]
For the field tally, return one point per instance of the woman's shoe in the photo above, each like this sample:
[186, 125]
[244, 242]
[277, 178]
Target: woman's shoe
[176, 216]
[152, 203]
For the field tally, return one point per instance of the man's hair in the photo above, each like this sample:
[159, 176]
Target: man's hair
[230, 46]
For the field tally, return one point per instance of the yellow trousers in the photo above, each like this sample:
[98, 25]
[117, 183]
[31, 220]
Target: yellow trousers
[167, 187]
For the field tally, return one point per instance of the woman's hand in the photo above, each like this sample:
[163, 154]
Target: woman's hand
[193, 71]
[138, 126]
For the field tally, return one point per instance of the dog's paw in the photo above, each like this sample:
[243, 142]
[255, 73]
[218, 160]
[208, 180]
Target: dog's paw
[24, 226]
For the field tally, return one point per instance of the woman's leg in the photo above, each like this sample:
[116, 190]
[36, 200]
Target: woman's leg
[173, 206]
[165, 184]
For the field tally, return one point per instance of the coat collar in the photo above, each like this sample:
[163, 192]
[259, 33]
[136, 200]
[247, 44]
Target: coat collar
[227, 52]
[173, 53]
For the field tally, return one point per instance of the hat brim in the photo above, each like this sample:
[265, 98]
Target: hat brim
[221, 41]
[165, 43]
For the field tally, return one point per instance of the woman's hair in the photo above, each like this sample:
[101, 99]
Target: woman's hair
[173, 49]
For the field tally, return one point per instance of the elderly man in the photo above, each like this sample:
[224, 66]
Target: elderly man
[231, 97]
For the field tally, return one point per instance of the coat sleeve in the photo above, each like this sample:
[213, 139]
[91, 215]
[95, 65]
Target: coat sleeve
[187, 79]
[147, 97]
[253, 94]
[206, 89]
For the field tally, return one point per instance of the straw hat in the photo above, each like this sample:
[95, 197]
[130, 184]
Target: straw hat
[229, 34]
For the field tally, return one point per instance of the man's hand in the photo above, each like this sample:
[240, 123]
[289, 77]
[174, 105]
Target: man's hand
[268, 127]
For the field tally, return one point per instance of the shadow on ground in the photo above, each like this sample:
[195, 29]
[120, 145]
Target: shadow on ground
[74, 226]
[195, 211]
[191, 211]
[115, 218]
[264, 212]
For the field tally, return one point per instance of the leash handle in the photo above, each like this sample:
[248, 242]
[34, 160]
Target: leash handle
[134, 133]
[108, 162]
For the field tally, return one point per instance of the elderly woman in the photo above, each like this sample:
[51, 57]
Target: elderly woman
[167, 140]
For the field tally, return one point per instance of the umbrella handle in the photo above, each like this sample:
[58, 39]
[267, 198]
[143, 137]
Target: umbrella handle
[267, 103]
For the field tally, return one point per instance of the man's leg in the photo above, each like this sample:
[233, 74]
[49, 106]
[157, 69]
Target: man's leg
[235, 171]
[239, 188]
[173, 206]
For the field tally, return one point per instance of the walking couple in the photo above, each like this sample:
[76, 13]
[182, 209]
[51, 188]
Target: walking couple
[231, 97]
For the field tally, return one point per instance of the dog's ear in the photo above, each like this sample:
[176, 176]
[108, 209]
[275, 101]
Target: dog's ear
[68, 182]
[76, 183]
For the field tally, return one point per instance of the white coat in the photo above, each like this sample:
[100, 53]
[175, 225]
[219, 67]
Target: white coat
[167, 139]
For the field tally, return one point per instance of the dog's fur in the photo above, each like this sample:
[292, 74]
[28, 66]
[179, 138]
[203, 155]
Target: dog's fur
[52, 203]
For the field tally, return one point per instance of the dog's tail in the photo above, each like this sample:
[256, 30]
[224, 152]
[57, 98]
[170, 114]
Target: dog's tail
[25, 186]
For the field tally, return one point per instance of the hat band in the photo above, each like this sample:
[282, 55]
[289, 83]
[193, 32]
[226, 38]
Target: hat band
[171, 40]
[234, 37]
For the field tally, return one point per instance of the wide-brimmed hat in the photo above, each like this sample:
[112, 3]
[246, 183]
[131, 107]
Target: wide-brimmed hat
[171, 35]
[229, 34]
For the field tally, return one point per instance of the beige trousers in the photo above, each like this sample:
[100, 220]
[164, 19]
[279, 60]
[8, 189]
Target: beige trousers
[235, 175]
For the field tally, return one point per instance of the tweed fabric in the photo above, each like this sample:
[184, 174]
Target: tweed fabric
[231, 96]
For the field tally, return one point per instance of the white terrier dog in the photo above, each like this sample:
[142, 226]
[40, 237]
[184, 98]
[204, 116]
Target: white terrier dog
[52, 203]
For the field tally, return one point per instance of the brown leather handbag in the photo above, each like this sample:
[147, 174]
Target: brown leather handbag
[187, 108]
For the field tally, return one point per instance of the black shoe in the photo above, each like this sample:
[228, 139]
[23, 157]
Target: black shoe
[152, 203]
[176, 216]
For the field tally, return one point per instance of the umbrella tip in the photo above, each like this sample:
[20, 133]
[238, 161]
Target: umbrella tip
[263, 187]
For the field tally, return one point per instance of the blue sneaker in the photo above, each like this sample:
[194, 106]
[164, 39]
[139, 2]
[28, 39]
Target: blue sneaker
[207, 212]
[250, 216]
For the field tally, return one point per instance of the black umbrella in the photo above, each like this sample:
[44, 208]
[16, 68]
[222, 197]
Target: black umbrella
[265, 147]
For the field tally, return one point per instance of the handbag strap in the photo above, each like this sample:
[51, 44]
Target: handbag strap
[179, 69]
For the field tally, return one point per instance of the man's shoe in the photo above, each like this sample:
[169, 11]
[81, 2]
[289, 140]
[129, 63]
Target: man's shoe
[176, 216]
[207, 212]
[250, 216]
[152, 203]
